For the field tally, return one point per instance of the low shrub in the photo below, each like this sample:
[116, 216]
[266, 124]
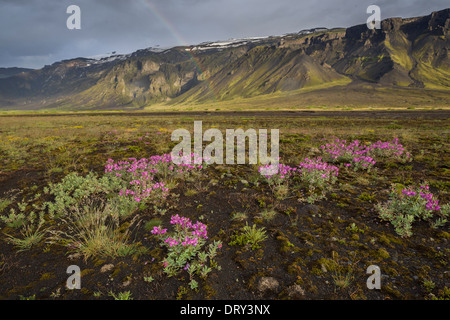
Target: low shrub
[407, 205]
[187, 249]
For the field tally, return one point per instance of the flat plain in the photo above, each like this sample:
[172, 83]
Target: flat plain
[291, 238]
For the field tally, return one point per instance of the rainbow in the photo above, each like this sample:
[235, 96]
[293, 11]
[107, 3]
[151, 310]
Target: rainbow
[178, 37]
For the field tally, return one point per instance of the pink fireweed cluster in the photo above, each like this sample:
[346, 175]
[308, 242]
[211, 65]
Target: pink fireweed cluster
[362, 156]
[317, 165]
[197, 229]
[158, 230]
[341, 151]
[431, 203]
[406, 205]
[157, 165]
[391, 149]
[142, 190]
[186, 248]
[285, 172]
[318, 176]
[276, 173]
[165, 166]
[147, 177]
[187, 233]
[362, 162]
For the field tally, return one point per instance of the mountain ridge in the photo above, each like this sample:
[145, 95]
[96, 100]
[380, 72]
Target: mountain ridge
[410, 53]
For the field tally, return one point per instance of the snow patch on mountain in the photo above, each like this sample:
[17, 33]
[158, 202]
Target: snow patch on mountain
[231, 43]
[105, 58]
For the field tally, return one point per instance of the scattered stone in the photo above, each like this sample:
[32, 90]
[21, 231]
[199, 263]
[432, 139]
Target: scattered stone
[295, 291]
[243, 181]
[268, 284]
[309, 209]
[74, 256]
[106, 268]
[126, 283]
[324, 269]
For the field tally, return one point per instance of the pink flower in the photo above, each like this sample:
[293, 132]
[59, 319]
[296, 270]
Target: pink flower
[172, 242]
[158, 230]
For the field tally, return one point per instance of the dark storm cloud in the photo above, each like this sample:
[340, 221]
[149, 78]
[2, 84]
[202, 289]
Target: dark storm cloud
[34, 33]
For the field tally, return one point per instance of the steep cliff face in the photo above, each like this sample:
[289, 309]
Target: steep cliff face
[403, 53]
[8, 72]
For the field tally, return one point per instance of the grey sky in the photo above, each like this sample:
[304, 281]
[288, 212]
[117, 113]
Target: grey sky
[34, 33]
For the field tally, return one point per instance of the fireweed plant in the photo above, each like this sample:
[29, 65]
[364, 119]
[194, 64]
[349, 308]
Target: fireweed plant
[187, 249]
[278, 180]
[409, 204]
[316, 175]
[147, 179]
[363, 156]
[93, 207]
